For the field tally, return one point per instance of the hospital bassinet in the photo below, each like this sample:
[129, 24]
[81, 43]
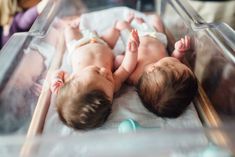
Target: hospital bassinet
[27, 121]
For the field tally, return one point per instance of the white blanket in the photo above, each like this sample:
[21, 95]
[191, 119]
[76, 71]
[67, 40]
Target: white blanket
[127, 104]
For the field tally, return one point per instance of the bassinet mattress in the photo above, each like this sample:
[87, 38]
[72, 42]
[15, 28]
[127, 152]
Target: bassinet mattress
[126, 104]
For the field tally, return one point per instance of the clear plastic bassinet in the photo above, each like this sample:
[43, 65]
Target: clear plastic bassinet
[28, 123]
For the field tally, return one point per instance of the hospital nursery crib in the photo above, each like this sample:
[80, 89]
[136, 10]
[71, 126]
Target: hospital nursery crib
[29, 124]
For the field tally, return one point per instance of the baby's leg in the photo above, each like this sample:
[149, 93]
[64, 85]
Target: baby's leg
[71, 33]
[113, 33]
[132, 17]
[157, 23]
[111, 36]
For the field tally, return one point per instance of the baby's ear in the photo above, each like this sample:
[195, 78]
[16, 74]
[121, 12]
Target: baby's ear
[56, 85]
[57, 80]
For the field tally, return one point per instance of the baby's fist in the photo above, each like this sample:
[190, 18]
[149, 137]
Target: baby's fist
[183, 45]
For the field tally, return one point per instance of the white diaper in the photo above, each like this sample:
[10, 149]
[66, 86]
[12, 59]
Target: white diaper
[144, 30]
[88, 36]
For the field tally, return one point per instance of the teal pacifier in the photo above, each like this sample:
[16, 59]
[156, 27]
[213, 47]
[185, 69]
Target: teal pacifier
[128, 125]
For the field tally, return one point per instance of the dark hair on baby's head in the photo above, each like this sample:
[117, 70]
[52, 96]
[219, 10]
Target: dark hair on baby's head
[82, 109]
[166, 93]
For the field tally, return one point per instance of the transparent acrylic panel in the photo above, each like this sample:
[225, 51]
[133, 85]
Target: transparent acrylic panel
[27, 58]
[149, 142]
[213, 54]
[23, 79]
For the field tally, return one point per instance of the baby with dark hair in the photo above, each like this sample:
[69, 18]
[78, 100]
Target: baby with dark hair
[165, 85]
[84, 98]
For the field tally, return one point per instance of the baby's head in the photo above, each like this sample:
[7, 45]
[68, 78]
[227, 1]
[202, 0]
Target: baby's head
[167, 87]
[83, 102]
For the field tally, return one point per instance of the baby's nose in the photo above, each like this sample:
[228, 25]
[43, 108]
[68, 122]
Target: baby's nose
[103, 71]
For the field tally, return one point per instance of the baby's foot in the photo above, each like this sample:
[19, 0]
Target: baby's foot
[71, 33]
[74, 22]
[139, 20]
[121, 25]
[133, 42]
[131, 17]
[183, 44]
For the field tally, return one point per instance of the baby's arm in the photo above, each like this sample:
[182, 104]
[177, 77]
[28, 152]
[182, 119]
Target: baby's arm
[181, 47]
[129, 62]
[57, 80]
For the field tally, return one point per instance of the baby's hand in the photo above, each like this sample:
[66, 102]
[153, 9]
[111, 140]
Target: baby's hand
[183, 45]
[130, 59]
[133, 42]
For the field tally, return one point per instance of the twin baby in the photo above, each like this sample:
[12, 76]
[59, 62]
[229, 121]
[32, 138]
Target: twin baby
[165, 85]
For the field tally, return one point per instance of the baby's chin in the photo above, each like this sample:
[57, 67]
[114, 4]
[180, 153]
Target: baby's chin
[130, 81]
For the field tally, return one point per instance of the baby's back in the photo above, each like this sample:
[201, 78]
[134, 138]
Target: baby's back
[151, 49]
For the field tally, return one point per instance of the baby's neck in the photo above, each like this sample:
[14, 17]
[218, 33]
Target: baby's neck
[79, 67]
[137, 73]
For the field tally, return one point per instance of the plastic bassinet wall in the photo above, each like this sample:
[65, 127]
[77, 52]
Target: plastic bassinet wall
[28, 58]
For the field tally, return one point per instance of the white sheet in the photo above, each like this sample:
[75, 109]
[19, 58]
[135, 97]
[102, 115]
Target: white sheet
[127, 104]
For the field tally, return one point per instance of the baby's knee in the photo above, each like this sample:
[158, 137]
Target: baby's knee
[120, 25]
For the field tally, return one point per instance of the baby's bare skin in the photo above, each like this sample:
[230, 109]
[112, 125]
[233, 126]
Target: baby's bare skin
[151, 49]
[92, 63]
[96, 54]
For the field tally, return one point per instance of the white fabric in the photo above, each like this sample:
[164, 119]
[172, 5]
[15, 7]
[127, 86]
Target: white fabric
[126, 104]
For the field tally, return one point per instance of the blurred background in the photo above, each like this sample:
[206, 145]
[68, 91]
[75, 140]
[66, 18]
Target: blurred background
[216, 10]
[19, 15]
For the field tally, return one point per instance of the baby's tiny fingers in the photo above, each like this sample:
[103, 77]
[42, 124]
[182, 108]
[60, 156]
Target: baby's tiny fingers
[178, 45]
[187, 41]
[182, 40]
[134, 34]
